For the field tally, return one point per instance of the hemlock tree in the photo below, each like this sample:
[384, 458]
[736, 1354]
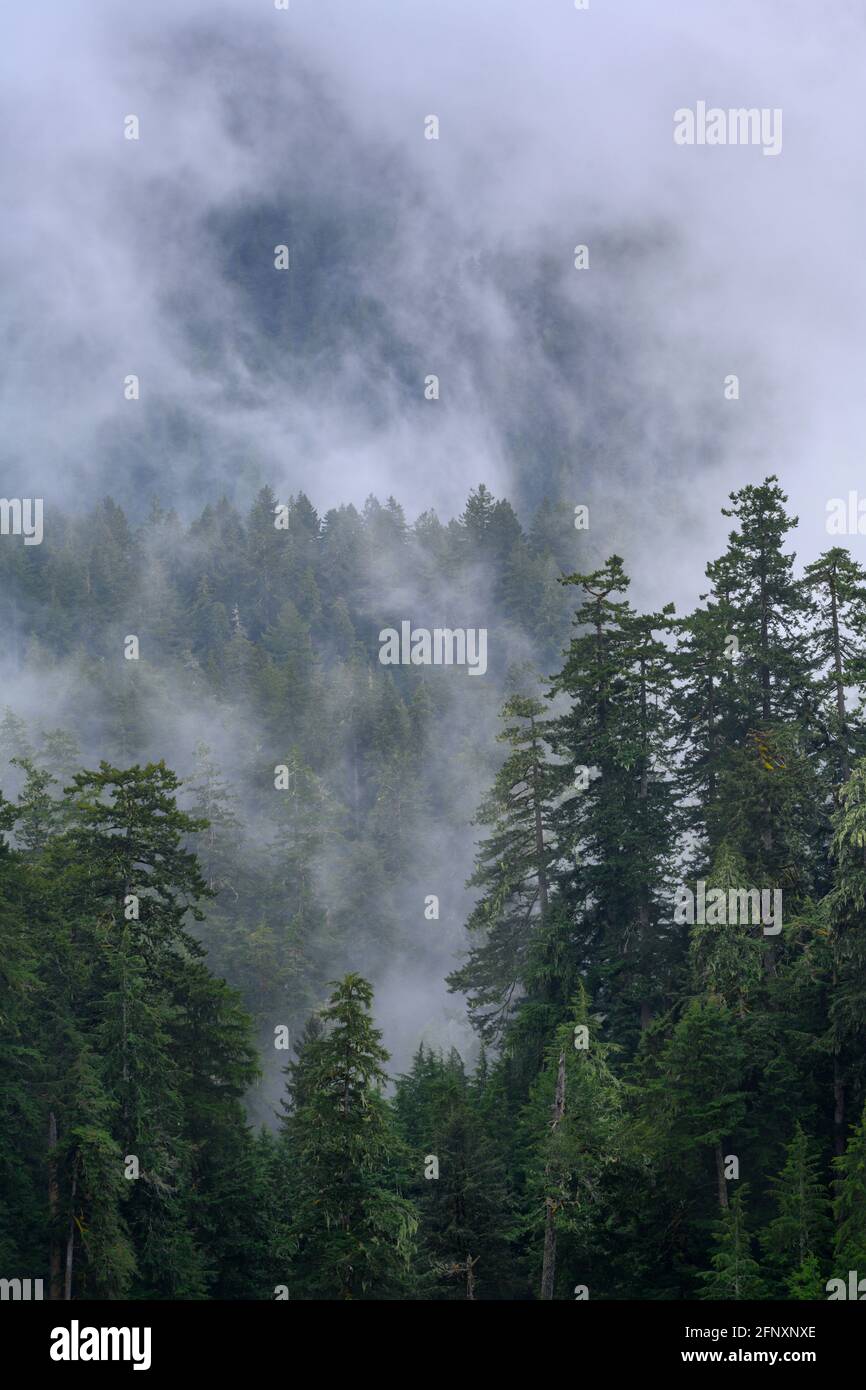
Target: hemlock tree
[726, 958]
[615, 816]
[797, 1239]
[836, 584]
[735, 1274]
[513, 868]
[702, 707]
[146, 1055]
[460, 1185]
[694, 1088]
[733, 754]
[345, 1165]
[22, 1118]
[569, 1129]
[807, 1282]
[850, 1204]
[757, 577]
[844, 907]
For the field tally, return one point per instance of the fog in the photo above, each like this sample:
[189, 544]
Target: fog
[411, 257]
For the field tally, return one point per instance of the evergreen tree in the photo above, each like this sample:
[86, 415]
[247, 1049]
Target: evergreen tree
[756, 577]
[467, 1221]
[735, 1274]
[799, 1235]
[345, 1166]
[850, 1203]
[617, 820]
[694, 1087]
[843, 908]
[513, 867]
[837, 587]
[570, 1132]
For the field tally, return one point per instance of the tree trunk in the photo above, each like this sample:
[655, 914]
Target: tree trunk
[765, 637]
[599, 653]
[711, 740]
[55, 1290]
[548, 1268]
[837, 672]
[70, 1241]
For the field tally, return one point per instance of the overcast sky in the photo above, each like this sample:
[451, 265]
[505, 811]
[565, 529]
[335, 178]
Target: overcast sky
[453, 257]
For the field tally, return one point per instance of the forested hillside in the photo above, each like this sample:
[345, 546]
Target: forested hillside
[219, 837]
[258, 649]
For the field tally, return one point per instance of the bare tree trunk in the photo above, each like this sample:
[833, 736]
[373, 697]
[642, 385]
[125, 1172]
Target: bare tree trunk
[70, 1241]
[548, 1267]
[711, 740]
[54, 1209]
[765, 639]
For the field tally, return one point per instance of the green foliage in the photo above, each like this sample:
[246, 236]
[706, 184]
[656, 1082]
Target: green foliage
[570, 1137]
[352, 1229]
[800, 1232]
[725, 745]
[734, 1273]
[850, 1203]
[466, 1209]
[133, 1050]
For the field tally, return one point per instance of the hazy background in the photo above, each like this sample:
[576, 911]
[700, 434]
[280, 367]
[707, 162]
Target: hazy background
[410, 256]
[452, 257]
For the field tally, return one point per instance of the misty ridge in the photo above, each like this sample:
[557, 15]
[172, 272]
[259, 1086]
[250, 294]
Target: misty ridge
[259, 646]
[316, 377]
[208, 950]
[432, 722]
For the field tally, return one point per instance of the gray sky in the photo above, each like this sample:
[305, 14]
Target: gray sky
[453, 256]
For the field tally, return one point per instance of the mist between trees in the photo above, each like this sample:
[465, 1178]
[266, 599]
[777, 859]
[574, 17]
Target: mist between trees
[584, 1096]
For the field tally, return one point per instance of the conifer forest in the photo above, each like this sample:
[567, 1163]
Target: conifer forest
[432, 664]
